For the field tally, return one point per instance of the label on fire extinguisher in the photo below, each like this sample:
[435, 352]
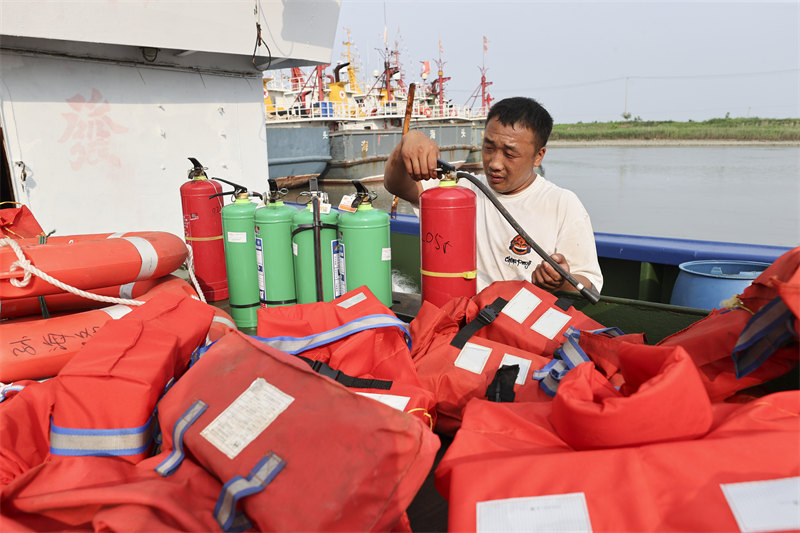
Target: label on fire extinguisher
[237, 236]
[346, 204]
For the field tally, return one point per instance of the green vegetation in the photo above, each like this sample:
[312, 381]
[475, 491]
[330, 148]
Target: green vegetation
[739, 129]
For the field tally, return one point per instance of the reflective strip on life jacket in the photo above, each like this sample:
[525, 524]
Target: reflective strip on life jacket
[175, 458]
[238, 487]
[100, 442]
[296, 345]
[5, 389]
[570, 355]
[764, 333]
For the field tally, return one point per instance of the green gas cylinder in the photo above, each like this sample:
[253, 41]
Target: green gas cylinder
[273, 232]
[365, 248]
[240, 259]
[315, 247]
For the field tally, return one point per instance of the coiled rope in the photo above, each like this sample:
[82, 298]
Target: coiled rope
[25, 264]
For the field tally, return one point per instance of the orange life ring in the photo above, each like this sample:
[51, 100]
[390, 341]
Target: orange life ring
[428, 112]
[68, 302]
[452, 112]
[32, 348]
[90, 261]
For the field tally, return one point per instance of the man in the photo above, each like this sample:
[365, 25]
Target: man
[516, 132]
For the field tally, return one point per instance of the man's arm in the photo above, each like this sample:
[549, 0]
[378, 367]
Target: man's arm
[413, 159]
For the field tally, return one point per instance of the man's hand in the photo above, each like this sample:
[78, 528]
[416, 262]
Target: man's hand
[412, 160]
[546, 277]
[419, 154]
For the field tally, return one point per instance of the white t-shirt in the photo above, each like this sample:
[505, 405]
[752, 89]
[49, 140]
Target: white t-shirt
[553, 217]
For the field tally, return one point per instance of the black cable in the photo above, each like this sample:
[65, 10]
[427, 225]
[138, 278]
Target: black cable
[260, 41]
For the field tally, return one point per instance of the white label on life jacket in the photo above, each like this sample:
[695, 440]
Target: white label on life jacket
[521, 305]
[386, 254]
[524, 366]
[473, 357]
[550, 323]
[353, 300]
[556, 513]
[244, 419]
[117, 311]
[237, 236]
[765, 505]
[397, 402]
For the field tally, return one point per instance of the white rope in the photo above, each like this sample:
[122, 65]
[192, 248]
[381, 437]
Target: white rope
[29, 269]
[25, 265]
[190, 268]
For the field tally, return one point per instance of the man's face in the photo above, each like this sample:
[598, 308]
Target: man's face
[509, 156]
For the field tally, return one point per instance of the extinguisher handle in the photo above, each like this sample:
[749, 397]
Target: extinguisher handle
[197, 170]
[587, 292]
[362, 194]
[445, 166]
[239, 188]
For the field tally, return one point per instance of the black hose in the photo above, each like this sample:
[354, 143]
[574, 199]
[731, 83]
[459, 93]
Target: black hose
[587, 292]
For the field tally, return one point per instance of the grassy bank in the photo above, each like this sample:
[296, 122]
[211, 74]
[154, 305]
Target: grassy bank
[740, 129]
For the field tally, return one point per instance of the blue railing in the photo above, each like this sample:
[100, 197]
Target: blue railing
[660, 250]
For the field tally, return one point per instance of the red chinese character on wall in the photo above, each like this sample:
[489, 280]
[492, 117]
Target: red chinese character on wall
[89, 128]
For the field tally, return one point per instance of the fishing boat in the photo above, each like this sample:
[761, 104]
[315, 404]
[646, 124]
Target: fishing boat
[363, 125]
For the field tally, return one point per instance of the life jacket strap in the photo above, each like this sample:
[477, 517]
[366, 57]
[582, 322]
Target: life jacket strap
[228, 517]
[175, 458]
[766, 331]
[566, 357]
[100, 442]
[348, 381]
[485, 317]
[296, 345]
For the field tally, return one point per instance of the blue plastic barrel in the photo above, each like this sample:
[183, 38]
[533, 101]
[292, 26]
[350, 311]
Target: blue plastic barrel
[704, 284]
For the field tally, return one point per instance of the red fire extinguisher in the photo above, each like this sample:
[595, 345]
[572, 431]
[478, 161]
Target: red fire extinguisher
[448, 251]
[202, 227]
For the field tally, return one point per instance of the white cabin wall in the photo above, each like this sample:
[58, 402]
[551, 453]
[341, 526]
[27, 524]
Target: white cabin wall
[219, 34]
[117, 164]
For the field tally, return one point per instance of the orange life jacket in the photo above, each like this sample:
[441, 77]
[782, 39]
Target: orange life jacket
[654, 456]
[356, 340]
[276, 433]
[102, 402]
[754, 342]
[461, 349]
[109, 494]
[39, 347]
[19, 223]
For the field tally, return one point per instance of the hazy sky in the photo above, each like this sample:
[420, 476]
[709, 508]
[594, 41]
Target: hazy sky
[679, 60]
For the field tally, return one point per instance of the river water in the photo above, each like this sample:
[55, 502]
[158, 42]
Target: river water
[730, 193]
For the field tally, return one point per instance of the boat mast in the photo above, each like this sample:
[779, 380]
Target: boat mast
[486, 99]
[352, 78]
[440, 80]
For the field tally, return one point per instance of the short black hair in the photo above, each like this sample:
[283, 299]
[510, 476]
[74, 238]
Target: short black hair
[524, 111]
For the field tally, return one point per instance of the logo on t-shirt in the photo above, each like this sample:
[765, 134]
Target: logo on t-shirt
[519, 245]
